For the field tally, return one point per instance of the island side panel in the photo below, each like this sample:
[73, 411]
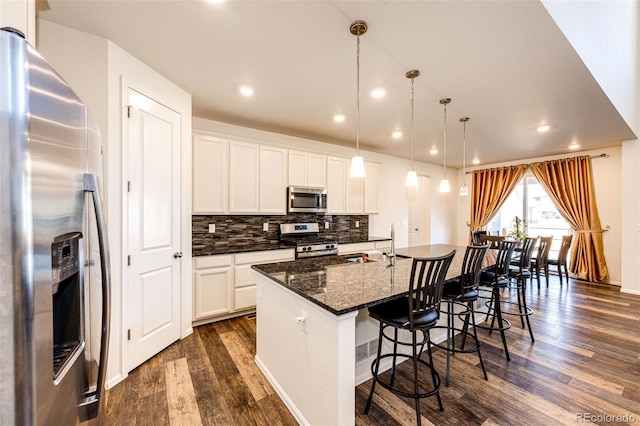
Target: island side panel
[310, 363]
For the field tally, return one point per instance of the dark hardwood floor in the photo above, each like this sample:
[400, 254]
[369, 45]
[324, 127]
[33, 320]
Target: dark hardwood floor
[584, 365]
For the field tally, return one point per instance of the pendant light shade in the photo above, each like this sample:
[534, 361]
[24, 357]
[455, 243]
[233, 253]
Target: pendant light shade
[357, 28]
[464, 189]
[412, 177]
[444, 183]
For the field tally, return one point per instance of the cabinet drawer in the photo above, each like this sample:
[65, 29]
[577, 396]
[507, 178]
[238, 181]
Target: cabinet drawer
[244, 276]
[245, 297]
[355, 248]
[264, 257]
[212, 261]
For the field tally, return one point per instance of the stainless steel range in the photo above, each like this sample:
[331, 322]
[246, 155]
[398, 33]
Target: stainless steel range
[305, 238]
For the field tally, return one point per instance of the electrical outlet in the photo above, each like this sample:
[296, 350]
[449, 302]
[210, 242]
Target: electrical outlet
[265, 227]
[212, 228]
[326, 225]
[357, 224]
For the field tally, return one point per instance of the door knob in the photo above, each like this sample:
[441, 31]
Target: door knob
[177, 254]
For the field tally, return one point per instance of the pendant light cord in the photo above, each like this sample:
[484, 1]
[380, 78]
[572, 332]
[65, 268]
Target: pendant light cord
[358, 93]
[464, 150]
[411, 125]
[444, 144]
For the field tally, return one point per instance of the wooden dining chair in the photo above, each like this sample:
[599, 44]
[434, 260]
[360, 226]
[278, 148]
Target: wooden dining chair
[561, 260]
[539, 261]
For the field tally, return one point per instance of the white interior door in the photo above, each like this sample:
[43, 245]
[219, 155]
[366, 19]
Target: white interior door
[419, 224]
[153, 227]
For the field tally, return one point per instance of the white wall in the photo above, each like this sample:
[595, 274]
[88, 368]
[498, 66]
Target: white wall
[96, 68]
[631, 217]
[607, 181]
[393, 201]
[605, 35]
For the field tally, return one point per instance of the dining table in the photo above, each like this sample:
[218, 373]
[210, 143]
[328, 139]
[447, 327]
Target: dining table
[312, 317]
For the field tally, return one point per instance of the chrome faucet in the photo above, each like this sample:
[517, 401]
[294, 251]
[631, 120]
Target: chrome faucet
[392, 255]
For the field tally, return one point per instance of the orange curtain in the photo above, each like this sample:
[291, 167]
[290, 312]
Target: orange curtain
[570, 185]
[489, 190]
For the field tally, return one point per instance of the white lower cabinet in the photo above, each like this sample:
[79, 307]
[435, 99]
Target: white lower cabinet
[212, 286]
[224, 286]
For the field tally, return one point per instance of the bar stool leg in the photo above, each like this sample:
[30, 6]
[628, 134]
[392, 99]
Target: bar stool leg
[416, 389]
[434, 374]
[375, 372]
[475, 335]
[524, 303]
[450, 346]
[395, 351]
[501, 323]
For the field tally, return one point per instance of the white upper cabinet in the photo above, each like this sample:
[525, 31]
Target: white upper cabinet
[355, 193]
[244, 177]
[273, 178]
[210, 175]
[306, 169]
[371, 187]
[336, 185]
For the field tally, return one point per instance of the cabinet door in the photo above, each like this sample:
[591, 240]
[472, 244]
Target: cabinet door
[355, 194]
[213, 292]
[371, 187]
[297, 168]
[273, 178]
[336, 185]
[244, 174]
[210, 175]
[317, 170]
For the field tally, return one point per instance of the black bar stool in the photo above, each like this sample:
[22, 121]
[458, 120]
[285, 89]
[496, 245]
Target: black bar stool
[496, 278]
[462, 293]
[418, 311]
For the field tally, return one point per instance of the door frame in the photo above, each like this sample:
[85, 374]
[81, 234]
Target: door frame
[186, 305]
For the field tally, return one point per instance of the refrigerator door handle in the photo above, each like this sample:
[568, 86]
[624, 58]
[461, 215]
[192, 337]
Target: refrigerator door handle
[91, 400]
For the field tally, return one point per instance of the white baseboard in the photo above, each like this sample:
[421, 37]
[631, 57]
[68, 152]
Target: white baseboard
[281, 393]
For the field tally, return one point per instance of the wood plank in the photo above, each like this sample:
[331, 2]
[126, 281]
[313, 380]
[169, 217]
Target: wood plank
[603, 300]
[253, 377]
[586, 359]
[183, 409]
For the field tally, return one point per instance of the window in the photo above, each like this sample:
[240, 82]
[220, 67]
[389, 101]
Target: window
[529, 200]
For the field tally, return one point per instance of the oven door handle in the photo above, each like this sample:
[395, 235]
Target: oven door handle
[90, 403]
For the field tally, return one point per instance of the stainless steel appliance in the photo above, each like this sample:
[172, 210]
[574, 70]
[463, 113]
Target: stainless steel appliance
[305, 238]
[306, 200]
[54, 258]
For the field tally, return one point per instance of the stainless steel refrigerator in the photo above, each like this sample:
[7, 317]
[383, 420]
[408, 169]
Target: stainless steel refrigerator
[54, 257]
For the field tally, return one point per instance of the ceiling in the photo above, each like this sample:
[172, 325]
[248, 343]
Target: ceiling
[505, 64]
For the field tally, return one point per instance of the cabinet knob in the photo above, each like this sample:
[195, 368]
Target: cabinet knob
[177, 254]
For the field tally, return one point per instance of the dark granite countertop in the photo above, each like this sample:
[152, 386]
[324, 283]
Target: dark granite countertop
[226, 248]
[341, 286]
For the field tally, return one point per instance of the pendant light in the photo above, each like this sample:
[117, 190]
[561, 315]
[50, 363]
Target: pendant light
[464, 189]
[444, 183]
[357, 163]
[412, 177]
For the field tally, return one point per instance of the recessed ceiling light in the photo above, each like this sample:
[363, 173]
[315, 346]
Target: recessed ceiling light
[378, 93]
[574, 146]
[544, 128]
[397, 134]
[246, 91]
[338, 118]
[476, 161]
[433, 151]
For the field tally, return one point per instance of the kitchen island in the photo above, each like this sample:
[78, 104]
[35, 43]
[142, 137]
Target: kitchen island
[308, 313]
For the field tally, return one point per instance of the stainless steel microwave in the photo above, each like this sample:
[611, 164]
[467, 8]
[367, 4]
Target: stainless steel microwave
[302, 199]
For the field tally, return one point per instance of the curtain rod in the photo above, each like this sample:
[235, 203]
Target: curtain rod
[603, 155]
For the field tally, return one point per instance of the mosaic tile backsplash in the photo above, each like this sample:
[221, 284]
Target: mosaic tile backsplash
[247, 230]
